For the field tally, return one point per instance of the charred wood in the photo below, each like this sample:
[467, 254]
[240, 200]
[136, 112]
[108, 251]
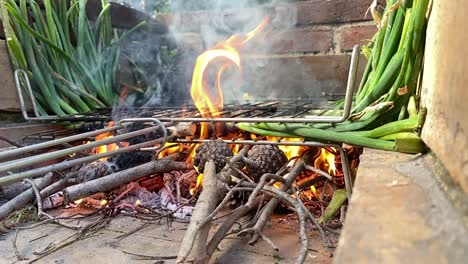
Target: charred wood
[117, 179]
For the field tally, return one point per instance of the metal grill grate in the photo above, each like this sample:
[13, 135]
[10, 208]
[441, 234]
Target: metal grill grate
[302, 111]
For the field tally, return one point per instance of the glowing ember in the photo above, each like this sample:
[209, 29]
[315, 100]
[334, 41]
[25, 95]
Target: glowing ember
[227, 51]
[77, 202]
[277, 185]
[313, 190]
[103, 202]
[138, 202]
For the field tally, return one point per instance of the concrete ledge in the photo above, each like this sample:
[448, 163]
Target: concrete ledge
[398, 214]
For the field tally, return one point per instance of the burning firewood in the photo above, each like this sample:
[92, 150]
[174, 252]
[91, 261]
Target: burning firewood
[212, 156]
[218, 190]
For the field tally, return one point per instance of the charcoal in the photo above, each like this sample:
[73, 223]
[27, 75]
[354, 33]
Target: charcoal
[141, 138]
[95, 170]
[131, 159]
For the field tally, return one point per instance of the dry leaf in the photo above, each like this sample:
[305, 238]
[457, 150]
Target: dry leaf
[402, 90]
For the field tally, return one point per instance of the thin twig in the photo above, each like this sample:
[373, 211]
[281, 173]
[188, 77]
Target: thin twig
[157, 218]
[15, 248]
[319, 172]
[86, 232]
[146, 257]
[269, 241]
[11, 142]
[40, 211]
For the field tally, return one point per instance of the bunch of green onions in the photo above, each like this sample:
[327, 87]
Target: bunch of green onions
[385, 114]
[72, 61]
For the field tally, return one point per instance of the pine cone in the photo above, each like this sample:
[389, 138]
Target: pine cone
[215, 150]
[267, 158]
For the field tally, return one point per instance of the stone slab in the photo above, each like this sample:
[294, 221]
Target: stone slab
[398, 214]
[158, 239]
[444, 90]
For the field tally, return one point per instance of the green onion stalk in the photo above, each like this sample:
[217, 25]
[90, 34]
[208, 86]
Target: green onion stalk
[385, 115]
[71, 61]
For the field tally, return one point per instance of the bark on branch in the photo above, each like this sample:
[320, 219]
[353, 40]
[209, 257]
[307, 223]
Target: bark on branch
[120, 178]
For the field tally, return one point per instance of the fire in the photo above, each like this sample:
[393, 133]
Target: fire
[103, 202]
[326, 161]
[210, 105]
[197, 185]
[228, 52]
[289, 151]
[105, 148]
[313, 190]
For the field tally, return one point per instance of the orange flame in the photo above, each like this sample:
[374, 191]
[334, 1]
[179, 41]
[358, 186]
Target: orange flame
[289, 151]
[105, 148]
[109, 147]
[209, 106]
[197, 185]
[326, 161]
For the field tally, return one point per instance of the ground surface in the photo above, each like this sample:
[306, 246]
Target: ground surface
[160, 240]
[399, 214]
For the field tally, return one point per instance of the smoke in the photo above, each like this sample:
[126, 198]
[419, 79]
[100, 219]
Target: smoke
[226, 18]
[197, 25]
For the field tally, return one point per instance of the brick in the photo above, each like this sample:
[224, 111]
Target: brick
[293, 77]
[186, 21]
[331, 11]
[292, 41]
[9, 98]
[303, 40]
[349, 36]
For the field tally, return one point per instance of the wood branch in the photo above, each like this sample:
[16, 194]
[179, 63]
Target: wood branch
[214, 194]
[273, 203]
[194, 243]
[120, 178]
[227, 225]
[253, 202]
[27, 196]
[182, 130]
[185, 129]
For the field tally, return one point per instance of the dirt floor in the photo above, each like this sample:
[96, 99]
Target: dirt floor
[157, 239]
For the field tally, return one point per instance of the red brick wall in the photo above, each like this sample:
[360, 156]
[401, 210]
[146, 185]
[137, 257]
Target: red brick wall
[322, 26]
[317, 44]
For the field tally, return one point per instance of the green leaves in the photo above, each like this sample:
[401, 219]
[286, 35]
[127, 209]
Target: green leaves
[68, 77]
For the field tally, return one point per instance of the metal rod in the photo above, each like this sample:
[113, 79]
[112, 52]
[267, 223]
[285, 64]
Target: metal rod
[312, 119]
[24, 111]
[21, 163]
[27, 149]
[346, 174]
[68, 164]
